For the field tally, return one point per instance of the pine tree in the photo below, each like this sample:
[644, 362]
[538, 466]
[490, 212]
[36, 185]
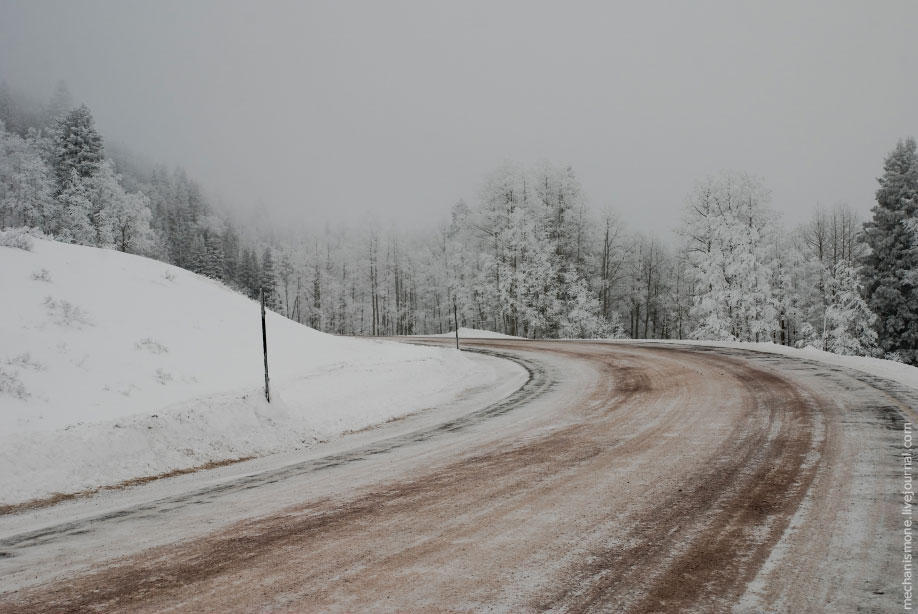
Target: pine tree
[72, 222]
[847, 322]
[286, 275]
[254, 274]
[213, 256]
[105, 195]
[79, 147]
[198, 256]
[231, 255]
[888, 287]
[268, 279]
[244, 274]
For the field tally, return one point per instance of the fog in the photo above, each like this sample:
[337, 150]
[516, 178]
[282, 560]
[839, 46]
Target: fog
[336, 110]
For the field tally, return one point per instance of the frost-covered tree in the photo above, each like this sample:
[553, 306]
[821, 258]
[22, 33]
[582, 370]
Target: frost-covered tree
[725, 224]
[197, 258]
[911, 225]
[130, 219]
[847, 325]
[809, 257]
[582, 318]
[105, 194]
[72, 220]
[888, 268]
[268, 279]
[78, 149]
[213, 256]
[26, 185]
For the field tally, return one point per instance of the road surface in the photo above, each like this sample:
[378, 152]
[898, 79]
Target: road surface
[608, 478]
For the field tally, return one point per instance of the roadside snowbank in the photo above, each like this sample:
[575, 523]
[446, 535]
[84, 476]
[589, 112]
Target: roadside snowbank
[906, 375]
[114, 366]
[472, 333]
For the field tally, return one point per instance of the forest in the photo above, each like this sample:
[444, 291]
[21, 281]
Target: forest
[530, 256]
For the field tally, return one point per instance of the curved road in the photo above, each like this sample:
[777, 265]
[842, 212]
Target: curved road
[619, 478]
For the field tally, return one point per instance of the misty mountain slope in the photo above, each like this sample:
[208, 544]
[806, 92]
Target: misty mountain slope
[115, 366]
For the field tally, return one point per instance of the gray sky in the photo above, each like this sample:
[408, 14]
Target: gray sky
[399, 108]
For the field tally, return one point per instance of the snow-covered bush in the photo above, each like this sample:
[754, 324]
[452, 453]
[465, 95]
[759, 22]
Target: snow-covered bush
[42, 275]
[11, 384]
[18, 238]
[25, 361]
[65, 313]
[151, 345]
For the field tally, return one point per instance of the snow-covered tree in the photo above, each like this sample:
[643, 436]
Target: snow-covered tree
[268, 279]
[892, 260]
[130, 219]
[911, 225]
[79, 147]
[582, 319]
[197, 260]
[847, 326]
[72, 220]
[213, 256]
[725, 225]
[26, 185]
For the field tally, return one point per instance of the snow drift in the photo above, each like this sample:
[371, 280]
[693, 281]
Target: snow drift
[115, 366]
[472, 333]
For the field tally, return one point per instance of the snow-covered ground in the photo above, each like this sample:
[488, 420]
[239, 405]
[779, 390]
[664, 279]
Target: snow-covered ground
[906, 375]
[114, 366]
[472, 333]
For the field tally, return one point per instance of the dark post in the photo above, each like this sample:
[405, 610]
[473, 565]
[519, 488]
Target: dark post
[456, 323]
[264, 344]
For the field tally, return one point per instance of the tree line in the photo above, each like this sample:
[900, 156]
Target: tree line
[528, 257]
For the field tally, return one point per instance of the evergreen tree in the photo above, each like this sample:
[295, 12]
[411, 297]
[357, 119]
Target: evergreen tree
[889, 289]
[213, 259]
[268, 279]
[847, 324]
[79, 147]
[105, 195]
[244, 274]
[72, 221]
[252, 274]
[231, 255]
[198, 256]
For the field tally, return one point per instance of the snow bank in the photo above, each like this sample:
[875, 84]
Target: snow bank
[904, 374]
[114, 366]
[472, 333]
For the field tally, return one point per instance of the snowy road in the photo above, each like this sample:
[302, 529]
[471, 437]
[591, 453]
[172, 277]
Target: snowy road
[610, 477]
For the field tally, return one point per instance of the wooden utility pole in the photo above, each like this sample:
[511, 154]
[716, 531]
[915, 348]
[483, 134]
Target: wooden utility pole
[456, 323]
[264, 345]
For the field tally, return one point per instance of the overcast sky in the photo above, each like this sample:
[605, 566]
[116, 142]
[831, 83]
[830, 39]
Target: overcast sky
[400, 108]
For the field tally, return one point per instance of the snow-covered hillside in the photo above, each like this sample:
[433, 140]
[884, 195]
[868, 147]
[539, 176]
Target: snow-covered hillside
[115, 366]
